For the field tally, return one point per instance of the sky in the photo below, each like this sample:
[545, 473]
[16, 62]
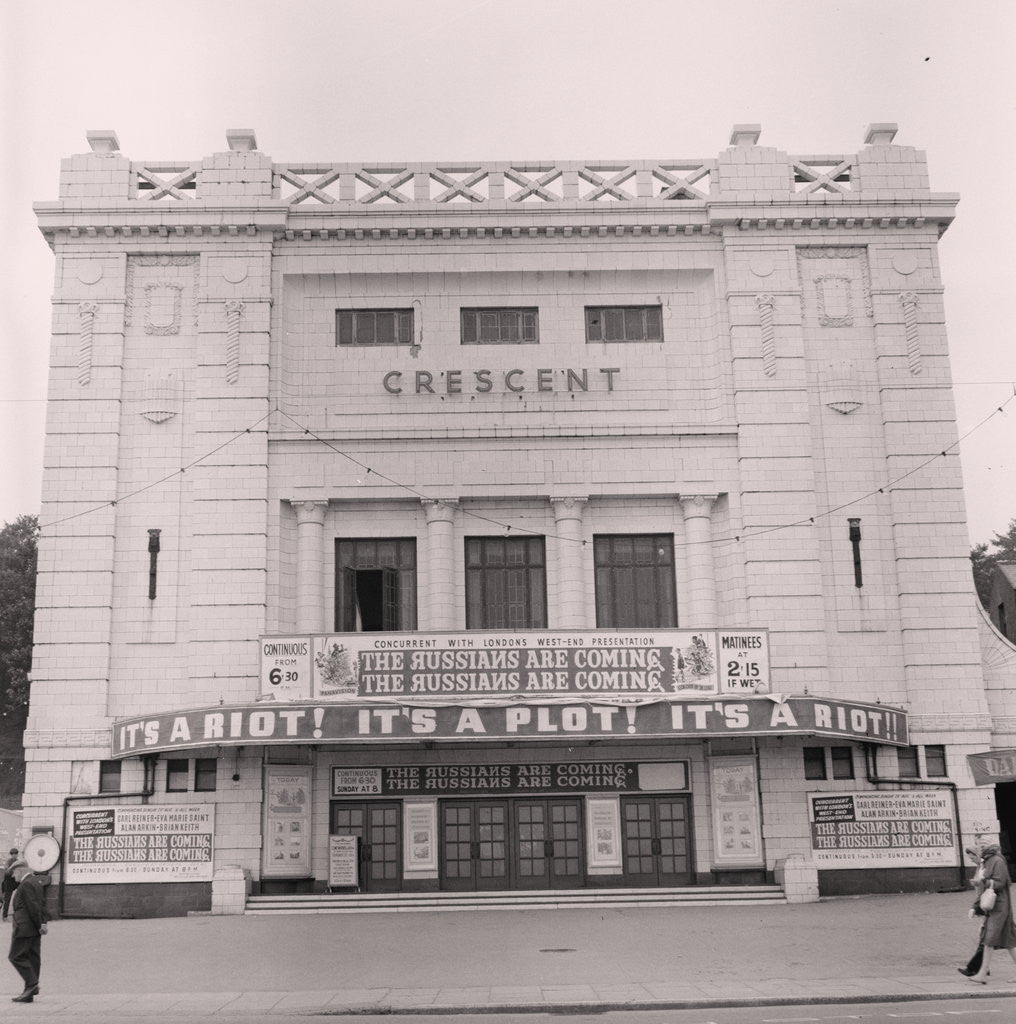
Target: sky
[550, 79]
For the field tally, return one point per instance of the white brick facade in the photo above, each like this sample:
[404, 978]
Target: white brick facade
[197, 389]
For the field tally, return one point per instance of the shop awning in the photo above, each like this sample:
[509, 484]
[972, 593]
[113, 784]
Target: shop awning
[993, 766]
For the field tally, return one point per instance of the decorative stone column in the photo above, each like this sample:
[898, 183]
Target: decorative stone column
[698, 610]
[439, 607]
[570, 611]
[234, 310]
[310, 605]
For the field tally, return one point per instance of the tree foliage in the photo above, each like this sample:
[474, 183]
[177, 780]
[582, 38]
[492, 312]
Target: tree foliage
[983, 561]
[18, 557]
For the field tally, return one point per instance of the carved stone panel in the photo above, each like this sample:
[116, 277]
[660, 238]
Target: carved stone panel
[835, 284]
[162, 294]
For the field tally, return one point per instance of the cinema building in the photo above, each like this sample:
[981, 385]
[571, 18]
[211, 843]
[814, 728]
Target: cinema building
[568, 528]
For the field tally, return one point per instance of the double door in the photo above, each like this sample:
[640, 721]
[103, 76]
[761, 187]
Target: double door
[656, 840]
[377, 826]
[512, 843]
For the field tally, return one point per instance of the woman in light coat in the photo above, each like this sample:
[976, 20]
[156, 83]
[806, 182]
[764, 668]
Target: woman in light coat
[999, 931]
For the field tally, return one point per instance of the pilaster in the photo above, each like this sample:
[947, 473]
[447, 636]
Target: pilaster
[438, 612]
[699, 606]
[570, 606]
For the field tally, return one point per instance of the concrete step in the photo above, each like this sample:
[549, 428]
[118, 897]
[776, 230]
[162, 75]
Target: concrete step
[359, 903]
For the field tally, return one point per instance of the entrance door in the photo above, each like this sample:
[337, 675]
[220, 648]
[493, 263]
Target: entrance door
[547, 846]
[474, 844]
[378, 827]
[656, 840]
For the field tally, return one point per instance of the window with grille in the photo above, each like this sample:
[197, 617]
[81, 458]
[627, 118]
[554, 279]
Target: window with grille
[906, 760]
[357, 327]
[110, 773]
[934, 761]
[843, 762]
[205, 774]
[375, 584]
[822, 763]
[500, 326]
[506, 583]
[624, 323]
[814, 763]
[177, 776]
[635, 580]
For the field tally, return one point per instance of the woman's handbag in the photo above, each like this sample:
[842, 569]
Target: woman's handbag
[987, 900]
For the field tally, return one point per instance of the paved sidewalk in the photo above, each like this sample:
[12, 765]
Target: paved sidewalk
[845, 950]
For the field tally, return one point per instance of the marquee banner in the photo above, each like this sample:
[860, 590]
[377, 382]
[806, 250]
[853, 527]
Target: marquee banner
[528, 777]
[274, 723]
[499, 666]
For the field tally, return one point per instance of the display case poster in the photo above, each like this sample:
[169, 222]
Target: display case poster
[890, 829]
[286, 848]
[737, 831]
[420, 828]
[141, 843]
[603, 822]
[343, 862]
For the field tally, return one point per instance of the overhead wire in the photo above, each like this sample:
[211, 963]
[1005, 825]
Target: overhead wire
[500, 523]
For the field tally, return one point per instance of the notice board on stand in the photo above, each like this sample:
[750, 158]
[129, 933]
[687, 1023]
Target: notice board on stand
[343, 862]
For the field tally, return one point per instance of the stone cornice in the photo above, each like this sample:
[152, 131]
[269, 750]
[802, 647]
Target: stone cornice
[274, 220]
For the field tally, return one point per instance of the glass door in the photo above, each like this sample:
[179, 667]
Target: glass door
[547, 844]
[656, 840]
[378, 826]
[474, 844]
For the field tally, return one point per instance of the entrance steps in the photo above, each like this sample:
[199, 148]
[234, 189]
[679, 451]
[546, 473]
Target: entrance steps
[562, 899]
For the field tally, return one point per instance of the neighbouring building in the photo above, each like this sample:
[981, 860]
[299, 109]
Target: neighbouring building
[1002, 604]
[443, 527]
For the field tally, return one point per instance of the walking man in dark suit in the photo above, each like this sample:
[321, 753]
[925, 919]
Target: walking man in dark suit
[28, 909]
[8, 885]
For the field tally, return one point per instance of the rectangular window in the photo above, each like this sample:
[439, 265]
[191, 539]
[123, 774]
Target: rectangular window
[934, 762]
[906, 760]
[205, 772]
[635, 580]
[177, 776]
[506, 583]
[109, 776]
[375, 584]
[624, 323]
[843, 762]
[494, 326]
[359, 327]
[814, 763]
[1003, 625]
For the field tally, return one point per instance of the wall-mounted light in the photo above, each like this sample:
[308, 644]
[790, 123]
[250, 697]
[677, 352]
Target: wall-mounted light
[855, 543]
[153, 561]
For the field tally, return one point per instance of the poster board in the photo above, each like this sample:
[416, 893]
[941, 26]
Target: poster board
[734, 802]
[603, 835]
[140, 843]
[884, 829]
[343, 862]
[286, 822]
[419, 824]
